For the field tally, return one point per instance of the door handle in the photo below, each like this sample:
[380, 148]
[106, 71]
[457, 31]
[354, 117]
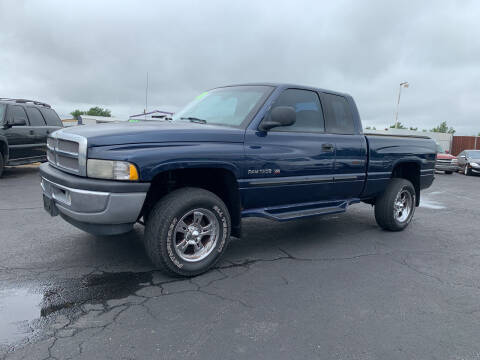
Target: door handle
[31, 132]
[328, 147]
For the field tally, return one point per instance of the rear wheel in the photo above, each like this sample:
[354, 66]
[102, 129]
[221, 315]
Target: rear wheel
[449, 172]
[394, 209]
[187, 231]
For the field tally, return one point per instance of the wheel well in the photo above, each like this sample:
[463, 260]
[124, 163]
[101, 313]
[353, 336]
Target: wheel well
[411, 172]
[219, 181]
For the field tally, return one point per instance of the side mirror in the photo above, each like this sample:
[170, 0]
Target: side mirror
[279, 116]
[447, 152]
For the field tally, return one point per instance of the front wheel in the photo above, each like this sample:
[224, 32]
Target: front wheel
[187, 231]
[449, 172]
[467, 171]
[394, 209]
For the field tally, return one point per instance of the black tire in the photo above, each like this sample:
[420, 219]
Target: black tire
[467, 171]
[161, 235]
[449, 172]
[385, 213]
[2, 164]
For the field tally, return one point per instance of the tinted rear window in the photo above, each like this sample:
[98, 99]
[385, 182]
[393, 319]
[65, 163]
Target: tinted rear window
[2, 112]
[51, 117]
[36, 119]
[339, 119]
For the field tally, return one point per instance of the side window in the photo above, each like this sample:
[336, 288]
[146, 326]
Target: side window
[339, 119]
[17, 113]
[307, 106]
[36, 119]
[51, 117]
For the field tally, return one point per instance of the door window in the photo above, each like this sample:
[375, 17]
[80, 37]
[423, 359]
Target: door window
[17, 113]
[36, 119]
[339, 119]
[307, 106]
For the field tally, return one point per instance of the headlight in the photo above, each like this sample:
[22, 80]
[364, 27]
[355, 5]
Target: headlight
[454, 160]
[474, 164]
[113, 170]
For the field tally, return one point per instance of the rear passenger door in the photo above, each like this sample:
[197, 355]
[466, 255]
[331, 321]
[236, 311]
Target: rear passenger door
[291, 164]
[40, 130]
[350, 146]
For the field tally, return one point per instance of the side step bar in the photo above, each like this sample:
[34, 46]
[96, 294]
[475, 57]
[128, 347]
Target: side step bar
[290, 212]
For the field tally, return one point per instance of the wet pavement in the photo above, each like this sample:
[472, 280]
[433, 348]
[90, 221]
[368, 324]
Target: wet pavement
[335, 287]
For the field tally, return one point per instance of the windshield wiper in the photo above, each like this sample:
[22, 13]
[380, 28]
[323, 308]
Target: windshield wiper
[194, 119]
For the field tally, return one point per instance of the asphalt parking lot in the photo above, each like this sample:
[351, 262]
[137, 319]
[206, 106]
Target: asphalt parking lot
[336, 287]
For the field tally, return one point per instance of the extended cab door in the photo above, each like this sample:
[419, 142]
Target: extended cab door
[292, 164]
[341, 119]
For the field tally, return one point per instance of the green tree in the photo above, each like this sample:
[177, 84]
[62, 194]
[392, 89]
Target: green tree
[93, 111]
[76, 113]
[98, 111]
[400, 126]
[443, 128]
[413, 128]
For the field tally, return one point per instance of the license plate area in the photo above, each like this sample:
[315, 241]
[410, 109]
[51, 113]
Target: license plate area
[49, 206]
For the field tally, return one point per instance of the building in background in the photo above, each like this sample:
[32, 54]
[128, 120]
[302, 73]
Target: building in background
[461, 143]
[92, 120]
[152, 115]
[69, 122]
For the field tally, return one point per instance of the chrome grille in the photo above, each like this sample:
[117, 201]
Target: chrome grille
[444, 161]
[67, 152]
[67, 146]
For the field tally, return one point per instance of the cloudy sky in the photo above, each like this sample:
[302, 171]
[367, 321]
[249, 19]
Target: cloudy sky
[77, 54]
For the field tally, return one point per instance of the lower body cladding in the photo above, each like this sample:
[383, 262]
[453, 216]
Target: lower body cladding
[100, 207]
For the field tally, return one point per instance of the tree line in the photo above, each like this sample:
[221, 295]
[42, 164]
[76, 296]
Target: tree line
[93, 111]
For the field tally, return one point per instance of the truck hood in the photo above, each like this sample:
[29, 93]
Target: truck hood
[445, 156]
[154, 132]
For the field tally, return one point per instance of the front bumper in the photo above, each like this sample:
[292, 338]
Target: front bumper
[101, 207]
[441, 167]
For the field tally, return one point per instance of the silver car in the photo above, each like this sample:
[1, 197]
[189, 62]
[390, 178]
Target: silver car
[469, 162]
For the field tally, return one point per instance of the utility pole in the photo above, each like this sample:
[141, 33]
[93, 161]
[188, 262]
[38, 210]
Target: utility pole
[146, 99]
[402, 84]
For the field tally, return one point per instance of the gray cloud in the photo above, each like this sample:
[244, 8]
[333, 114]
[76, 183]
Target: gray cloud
[83, 53]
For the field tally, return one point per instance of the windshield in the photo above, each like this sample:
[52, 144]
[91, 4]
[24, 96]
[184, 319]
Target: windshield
[440, 149]
[474, 153]
[2, 112]
[229, 106]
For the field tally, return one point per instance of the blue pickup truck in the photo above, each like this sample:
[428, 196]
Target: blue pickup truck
[276, 151]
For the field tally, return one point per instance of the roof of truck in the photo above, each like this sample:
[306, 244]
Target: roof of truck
[288, 85]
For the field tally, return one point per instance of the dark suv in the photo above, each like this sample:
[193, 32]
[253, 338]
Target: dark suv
[24, 127]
